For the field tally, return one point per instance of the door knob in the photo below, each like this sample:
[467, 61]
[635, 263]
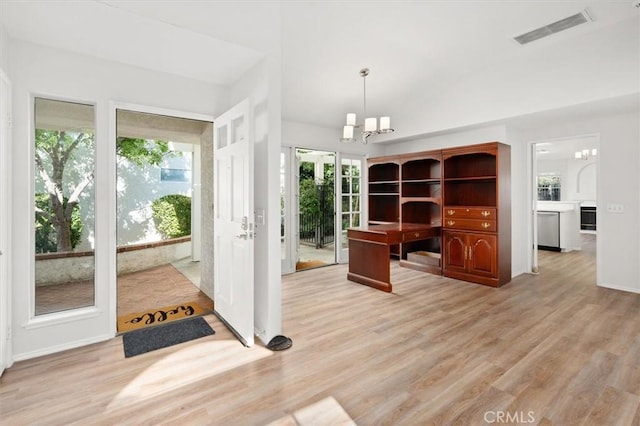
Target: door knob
[243, 236]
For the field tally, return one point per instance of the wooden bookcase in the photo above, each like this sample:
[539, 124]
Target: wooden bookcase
[477, 215]
[463, 190]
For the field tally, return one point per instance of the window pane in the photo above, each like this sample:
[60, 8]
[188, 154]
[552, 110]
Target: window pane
[355, 185]
[345, 204]
[549, 188]
[346, 223]
[345, 185]
[355, 168]
[356, 219]
[64, 205]
[355, 203]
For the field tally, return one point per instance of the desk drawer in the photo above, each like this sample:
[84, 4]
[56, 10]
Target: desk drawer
[471, 224]
[418, 235]
[470, 213]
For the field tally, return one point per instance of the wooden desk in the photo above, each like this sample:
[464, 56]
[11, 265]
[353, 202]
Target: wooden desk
[370, 249]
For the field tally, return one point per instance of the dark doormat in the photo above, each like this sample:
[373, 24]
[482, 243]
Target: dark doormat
[149, 339]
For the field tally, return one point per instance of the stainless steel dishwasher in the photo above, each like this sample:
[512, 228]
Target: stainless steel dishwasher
[549, 230]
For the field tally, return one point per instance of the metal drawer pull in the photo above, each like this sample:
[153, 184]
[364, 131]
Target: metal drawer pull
[485, 213]
[451, 212]
[485, 225]
[417, 234]
[451, 222]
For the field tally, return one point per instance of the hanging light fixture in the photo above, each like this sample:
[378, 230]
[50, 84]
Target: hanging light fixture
[370, 123]
[585, 154]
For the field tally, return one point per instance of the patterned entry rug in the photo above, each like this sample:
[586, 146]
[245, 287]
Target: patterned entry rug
[159, 316]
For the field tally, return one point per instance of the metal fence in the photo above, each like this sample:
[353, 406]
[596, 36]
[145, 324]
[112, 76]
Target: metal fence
[319, 229]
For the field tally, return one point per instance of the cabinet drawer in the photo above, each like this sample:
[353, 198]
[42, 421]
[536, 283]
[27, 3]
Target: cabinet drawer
[470, 213]
[418, 235]
[471, 224]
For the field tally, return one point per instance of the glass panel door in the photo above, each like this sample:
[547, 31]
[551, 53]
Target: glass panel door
[351, 200]
[316, 208]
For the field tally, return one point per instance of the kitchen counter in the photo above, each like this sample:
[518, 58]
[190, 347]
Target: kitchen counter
[558, 206]
[569, 223]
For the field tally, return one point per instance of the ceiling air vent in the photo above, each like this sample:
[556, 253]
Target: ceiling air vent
[561, 25]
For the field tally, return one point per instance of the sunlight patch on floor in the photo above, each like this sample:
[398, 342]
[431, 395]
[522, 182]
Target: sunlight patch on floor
[187, 366]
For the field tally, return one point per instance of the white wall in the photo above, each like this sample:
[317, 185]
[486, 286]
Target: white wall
[4, 50]
[520, 203]
[581, 180]
[449, 139]
[138, 187]
[262, 84]
[61, 74]
[618, 171]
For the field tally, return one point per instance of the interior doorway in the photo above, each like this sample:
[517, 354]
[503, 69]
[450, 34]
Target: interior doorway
[564, 182]
[158, 232]
[316, 201]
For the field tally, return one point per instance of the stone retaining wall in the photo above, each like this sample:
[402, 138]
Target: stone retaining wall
[56, 268]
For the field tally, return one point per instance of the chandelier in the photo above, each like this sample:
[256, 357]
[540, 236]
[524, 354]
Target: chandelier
[585, 154]
[370, 124]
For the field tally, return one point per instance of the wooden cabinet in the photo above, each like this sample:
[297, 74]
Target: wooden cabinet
[471, 256]
[477, 214]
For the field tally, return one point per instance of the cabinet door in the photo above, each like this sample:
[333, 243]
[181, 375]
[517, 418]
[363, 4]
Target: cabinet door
[483, 255]
[455, 248]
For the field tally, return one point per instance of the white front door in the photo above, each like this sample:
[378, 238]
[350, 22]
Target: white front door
[234, 220]
[5, 122]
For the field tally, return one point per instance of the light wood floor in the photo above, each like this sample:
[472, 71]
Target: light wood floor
[552, 348]
[156, 288]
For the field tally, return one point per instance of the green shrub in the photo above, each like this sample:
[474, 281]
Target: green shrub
[45, 230]
[172, 215]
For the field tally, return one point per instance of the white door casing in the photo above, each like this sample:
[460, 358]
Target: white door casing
[5, 306]
[196, 205]
[233, 213]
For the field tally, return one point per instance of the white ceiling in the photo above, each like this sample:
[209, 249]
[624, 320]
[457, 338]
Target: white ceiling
[425, 46]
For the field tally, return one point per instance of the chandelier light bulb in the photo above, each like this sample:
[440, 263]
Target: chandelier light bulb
[371, 124]
[385, 123]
